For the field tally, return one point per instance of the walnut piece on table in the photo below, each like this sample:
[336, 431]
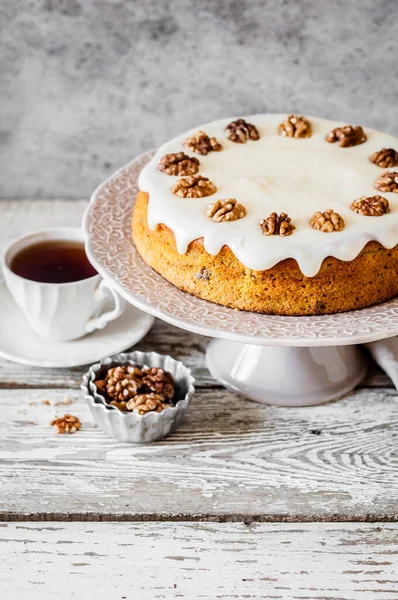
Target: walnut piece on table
[66, 424]
[67, 399]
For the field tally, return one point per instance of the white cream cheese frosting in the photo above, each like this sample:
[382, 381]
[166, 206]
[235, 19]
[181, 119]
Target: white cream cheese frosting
[277, 174]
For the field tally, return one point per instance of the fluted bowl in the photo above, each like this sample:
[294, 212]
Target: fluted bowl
[130, 426]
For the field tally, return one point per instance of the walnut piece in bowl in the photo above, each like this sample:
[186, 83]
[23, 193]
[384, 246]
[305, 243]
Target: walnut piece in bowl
[121, 385]
[138, 397]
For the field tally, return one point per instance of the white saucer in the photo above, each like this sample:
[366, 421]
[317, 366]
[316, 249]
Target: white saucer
[20, 344]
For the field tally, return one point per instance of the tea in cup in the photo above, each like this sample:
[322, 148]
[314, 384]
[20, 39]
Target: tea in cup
[53, 283]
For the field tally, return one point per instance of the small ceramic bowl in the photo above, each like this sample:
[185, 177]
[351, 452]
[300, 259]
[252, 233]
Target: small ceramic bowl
[130, 426]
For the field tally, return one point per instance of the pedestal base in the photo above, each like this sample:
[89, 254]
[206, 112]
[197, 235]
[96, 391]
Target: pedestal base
[286, 376]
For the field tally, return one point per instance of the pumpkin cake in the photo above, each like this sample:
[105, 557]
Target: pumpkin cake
[276, 214]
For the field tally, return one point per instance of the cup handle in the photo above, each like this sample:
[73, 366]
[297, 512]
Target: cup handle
[101, 292]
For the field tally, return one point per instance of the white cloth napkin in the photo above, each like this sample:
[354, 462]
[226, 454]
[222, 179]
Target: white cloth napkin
[385, 353]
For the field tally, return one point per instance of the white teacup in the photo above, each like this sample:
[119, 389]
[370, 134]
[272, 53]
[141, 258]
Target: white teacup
[59, 311]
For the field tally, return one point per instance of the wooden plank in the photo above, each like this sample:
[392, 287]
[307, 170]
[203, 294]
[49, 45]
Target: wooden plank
[199, 560]
[232, 459]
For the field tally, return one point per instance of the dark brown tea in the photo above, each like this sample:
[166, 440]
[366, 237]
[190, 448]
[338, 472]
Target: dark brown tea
[53, 261]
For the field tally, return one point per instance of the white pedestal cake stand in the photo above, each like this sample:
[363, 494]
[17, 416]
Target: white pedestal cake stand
[289, 361]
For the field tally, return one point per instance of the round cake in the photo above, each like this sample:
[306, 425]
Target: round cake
[279, 214]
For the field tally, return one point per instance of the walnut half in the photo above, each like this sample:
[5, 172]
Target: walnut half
[178, 163]
[277, 225]
[385, 158]
[143, 403]
[228, 209]
[240, 131]
[194, 186]
[66, 424]
[327, 221]
[120, 384]
[387, 182]
[296, 127]
[201, 143]
[159, 381]
[371, 206]
[349, 135]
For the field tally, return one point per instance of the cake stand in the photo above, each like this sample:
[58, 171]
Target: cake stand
[289, 361]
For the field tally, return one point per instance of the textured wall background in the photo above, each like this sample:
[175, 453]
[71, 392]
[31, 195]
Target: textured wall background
[87, 84]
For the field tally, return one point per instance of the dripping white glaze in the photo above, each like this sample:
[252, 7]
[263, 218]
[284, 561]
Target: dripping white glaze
[296, 176]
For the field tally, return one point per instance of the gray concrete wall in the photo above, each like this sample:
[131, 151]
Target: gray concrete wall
[87, 84]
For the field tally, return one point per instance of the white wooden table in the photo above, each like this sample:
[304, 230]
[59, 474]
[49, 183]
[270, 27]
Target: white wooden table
[243, 501]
